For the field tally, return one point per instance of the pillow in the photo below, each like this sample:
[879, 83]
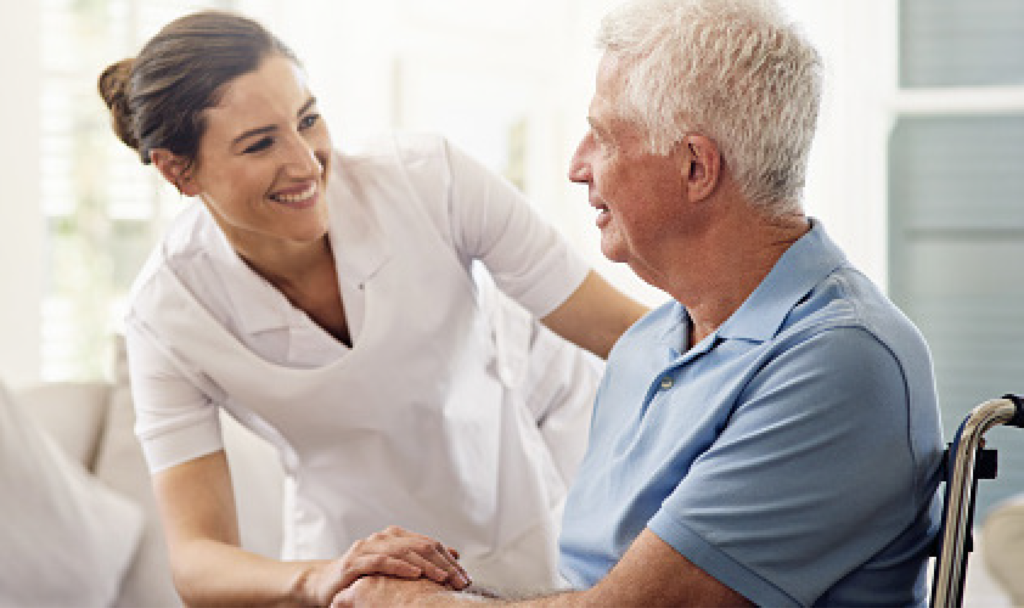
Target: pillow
[121, 466]
[65, 539]
[1003, 546]
[76, 429]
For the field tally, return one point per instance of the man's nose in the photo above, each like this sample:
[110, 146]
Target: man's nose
[579, 166]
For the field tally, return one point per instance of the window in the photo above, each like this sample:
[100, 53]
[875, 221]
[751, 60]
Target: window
[101, 211]
[956, 213]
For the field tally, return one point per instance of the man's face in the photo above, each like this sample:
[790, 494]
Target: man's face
[637, 193]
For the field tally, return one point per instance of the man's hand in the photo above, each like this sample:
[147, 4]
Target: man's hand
[390, 592]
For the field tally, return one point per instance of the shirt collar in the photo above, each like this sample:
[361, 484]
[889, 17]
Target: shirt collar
[360, 245]
[255, 305]
[677, 335]
[805, 264]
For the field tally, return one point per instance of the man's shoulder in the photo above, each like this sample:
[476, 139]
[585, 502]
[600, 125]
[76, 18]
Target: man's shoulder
[847, 300]
[847, 321]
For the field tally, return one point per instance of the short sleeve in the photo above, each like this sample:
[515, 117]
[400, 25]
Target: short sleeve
[175, 420]
[812, 475]
[492, 222]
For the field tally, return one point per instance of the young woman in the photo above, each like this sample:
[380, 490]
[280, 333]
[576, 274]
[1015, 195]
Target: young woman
[333, 303]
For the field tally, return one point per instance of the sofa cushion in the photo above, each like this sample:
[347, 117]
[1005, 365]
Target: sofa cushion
[72, 413]
[1003, 547]
[67, 540]
[121, 466]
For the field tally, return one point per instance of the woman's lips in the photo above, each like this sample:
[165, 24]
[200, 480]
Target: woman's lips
[299, 199]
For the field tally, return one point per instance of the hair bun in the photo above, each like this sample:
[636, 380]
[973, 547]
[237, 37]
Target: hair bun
[113, 88]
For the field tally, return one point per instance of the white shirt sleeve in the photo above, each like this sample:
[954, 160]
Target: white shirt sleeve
[175, 420]
[493, 222]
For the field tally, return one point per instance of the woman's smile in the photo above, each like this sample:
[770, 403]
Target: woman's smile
[299, 197]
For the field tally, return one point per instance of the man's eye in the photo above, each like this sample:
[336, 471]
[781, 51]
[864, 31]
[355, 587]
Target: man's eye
[308, 121]
[260, 145]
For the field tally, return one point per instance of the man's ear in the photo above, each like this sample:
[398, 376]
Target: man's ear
[702, 166]
[176, 169]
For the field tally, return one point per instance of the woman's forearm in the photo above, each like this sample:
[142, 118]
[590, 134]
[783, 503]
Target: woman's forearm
[211, 573]
[595, 315]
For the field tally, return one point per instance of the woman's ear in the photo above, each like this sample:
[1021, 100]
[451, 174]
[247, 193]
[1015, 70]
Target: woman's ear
[702, 167]
[176, 169]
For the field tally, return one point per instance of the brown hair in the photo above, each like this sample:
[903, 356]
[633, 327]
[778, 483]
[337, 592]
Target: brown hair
[157, 99]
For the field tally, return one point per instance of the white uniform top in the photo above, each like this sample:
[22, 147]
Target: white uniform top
[454, 414]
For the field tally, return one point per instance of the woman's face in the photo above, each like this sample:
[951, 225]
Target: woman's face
[262, 163]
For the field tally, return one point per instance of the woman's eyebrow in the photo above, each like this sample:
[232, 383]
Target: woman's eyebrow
[252, 132]
[306, 106]
[269, 128]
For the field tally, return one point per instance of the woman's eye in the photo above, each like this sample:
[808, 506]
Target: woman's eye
[308, 121]
[260, 145]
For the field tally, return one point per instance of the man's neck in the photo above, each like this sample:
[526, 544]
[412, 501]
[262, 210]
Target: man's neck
[728, 264]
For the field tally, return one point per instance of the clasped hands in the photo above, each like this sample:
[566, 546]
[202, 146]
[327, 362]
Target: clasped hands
[395, 553]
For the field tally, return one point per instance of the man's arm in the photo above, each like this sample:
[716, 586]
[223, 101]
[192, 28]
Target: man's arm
[651, 573]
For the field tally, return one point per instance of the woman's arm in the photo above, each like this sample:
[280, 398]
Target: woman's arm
[595, 315]
[197, 507]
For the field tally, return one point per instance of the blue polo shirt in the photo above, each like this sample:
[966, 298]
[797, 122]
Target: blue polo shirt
[793, 454]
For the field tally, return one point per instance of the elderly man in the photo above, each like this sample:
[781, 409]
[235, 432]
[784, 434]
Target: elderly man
[771, 435]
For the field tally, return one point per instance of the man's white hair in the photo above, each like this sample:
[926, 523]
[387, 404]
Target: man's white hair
[733, 70]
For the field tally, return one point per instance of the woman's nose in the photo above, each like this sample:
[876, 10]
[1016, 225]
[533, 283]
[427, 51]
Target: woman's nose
[302, 158]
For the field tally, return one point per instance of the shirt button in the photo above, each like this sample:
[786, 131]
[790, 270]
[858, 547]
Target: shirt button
[666, 382]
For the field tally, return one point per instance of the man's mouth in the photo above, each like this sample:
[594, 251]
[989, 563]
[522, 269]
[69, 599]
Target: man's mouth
[603, 216]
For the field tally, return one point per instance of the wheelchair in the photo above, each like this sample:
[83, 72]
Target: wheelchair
[966, 461]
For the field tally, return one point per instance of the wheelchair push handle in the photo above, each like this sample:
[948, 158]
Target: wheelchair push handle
[1018, 418]
[961, 483]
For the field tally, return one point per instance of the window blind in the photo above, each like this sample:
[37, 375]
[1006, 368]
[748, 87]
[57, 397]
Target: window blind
[103, 210]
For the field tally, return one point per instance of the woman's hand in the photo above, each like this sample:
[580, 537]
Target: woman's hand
[393, 552]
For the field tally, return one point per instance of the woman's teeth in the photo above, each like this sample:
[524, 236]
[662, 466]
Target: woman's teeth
[296, 198]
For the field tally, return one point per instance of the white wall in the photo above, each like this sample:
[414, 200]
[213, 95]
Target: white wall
[846, 185]
[21, 247]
